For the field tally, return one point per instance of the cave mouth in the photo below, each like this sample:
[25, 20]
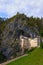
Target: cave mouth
[24, 33]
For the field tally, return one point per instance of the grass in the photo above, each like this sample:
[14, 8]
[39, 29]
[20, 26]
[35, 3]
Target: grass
[33, 58]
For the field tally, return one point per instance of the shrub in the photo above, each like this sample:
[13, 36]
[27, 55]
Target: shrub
[26, 51]
[41, 44]
[2, 57]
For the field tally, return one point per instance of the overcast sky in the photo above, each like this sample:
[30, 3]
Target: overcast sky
[9, 8]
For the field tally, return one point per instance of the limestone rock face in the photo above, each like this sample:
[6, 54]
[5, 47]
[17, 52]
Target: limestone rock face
[13, 30]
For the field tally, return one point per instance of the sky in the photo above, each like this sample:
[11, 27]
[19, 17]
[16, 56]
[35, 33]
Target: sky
[9, 8]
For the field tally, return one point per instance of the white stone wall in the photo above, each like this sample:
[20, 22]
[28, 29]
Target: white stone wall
[21, 42]
[33, 42]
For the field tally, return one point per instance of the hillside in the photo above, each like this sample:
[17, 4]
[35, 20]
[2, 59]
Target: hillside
[22, 20]
[11, 29]
[33, 58]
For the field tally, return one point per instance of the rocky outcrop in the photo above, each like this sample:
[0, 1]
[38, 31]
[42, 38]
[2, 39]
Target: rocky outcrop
[13, 30]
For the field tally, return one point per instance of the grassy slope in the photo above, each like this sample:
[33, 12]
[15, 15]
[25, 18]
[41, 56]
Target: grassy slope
[34, 58]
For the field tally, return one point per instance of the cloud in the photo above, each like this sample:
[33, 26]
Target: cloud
[8, 8]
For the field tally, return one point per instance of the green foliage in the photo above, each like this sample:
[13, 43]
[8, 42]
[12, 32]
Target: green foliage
[2, 57]
[26, 51]
[41, 44]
